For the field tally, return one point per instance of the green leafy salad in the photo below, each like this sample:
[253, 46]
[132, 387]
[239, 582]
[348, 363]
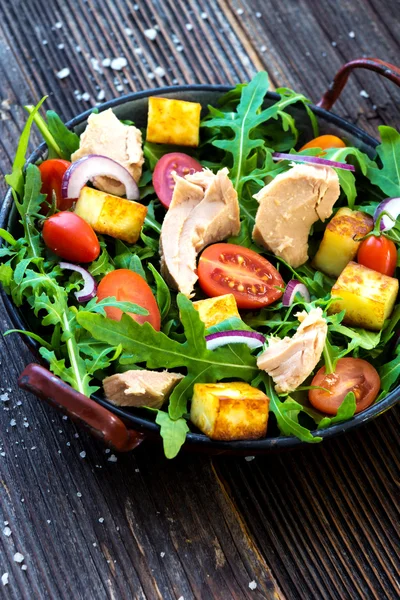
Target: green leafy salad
[233, 276]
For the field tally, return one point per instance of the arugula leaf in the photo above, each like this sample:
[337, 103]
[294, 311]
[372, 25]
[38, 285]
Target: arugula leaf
[53, 148]
[7, 237]
[360, 337]
[173, 433]
[163, 294]
[143, 344]
[16, 179]
[389, 374]
[67, 140]
[6, 277]
[29, 209]
[285, 412]
[95, 306]
[345, 412]
[103, 264]
[387, 178]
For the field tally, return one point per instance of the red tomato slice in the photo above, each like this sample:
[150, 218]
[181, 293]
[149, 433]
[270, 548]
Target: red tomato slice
[128, 286]
[379, 254]
[70, 237]
[163, 182]
[52, 172]
[324, 142]
[232, 269]
[351, 375]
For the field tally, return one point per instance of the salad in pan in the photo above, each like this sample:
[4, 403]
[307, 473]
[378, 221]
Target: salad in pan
[220, 272]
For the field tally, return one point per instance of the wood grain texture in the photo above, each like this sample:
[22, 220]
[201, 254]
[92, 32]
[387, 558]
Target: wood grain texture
[319, 523]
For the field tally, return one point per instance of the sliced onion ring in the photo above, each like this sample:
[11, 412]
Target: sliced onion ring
[252, 339]
[295, 287]
[315, 160]
[89, 289]
[93, 165]
[391, 206]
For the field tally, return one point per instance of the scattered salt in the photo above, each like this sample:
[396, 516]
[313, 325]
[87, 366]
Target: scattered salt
[60, 46]
[101, 95]
[26, 424]
[249, 458]
[4, 397]
[179, 48]
[352, 34]
[119, 87]
[239, 11]
[204, 15]
[4, 579]
[150, 33]
[112, 458]
[13, 422]
[48, 521]
[159, 71]
[82, 454]
[58, 25]
[364, 94]
[7, 531]
[252, 585]
[24, 567]
[334, 44]
[76, 435]
[106, 62]
[63, 73]
[162, 554]
[138, 51]
[94, 544]
[85, 98]
[107, 451]
[44, 42]
[128, 31]
[263, 48]
[18, 557]
[79, 494]
[189, 26]
[101, 520]
[258, 15]
[118, 63]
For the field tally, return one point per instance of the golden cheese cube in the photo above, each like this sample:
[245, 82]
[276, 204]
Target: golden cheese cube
[368, 297]
[111, 215]
[230, 411]
[173, 122]
[215, 310]
[339, 245]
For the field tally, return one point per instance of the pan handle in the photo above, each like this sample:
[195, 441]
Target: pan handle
[101, 423]
[373, 64]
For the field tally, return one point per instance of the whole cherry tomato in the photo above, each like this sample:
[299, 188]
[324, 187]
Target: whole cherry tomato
[52, 172]
[324, 142]
[126, 285]
[378, 253]
[69, 236]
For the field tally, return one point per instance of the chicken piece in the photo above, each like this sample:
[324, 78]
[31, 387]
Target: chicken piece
[289, 361]
[140, 388]
[107, 136]
[204, 210]
[289, 205]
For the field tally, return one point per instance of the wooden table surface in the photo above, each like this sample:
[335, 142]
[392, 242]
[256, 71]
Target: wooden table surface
[318, 523]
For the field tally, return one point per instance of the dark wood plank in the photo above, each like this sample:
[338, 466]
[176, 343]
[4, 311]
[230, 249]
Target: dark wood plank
[318, 523]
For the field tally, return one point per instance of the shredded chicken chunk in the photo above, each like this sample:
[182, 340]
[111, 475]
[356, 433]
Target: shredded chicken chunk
[289, 361]
[140, 387]
[107, 136]
[289, 205]
[204, 210]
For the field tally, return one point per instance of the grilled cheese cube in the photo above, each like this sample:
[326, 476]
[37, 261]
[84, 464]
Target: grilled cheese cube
[215, 310]
[339, 245]
[368, 297]
[230, 411]
[111, 215]
[173, 122]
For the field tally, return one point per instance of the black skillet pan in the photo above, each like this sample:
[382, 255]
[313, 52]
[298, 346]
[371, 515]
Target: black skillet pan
[122, 428]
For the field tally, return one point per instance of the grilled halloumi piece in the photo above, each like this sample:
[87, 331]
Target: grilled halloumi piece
[230, 411]
[367, 296]
[111, 215]
[173, 122]
[215, 310]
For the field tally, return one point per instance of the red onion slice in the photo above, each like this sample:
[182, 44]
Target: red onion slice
[315, 160]
[295, 287]
[90, 286]
[88, 167]
[252, 339]
[391, 206]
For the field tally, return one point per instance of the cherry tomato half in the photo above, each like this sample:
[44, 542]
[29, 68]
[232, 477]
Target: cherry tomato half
[52, 172]
[128, 286]
[163, 182]
[379, 254]
[70, 237]
[351, 375]
[232, 269]
[324, 142]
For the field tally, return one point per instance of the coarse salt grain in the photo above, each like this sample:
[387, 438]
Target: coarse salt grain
[101, 95]
[204, 15]
[252, 585]
[13, 422]
[364, 94]
[239, 11]
[189, 26]
[18, 557]
[159, 71]
[4, 397]
[58, 25]
[63, 73]
[128, 31]
[352, 34]
[85, 98]
[151, 34]
[7, 531]
[82, 454]
[106, 62]
[4, 579]
[24, 567]
[60, 46]
[112, 458]
[258, 15]
[162, 554]
[249, 458]
[79, 494]
[101, 520]
[118, 63]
